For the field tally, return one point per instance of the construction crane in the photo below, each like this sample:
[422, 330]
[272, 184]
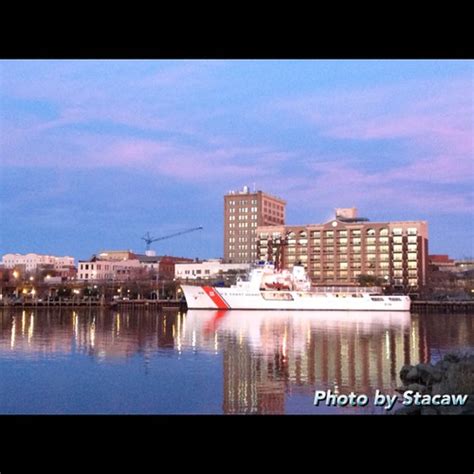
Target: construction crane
[149, 239]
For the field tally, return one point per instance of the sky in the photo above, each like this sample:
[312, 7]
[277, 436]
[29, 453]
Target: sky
[93, 154]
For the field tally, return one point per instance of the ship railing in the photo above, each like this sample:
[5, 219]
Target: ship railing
[346, 289]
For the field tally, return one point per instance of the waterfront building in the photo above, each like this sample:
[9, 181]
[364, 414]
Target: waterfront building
[124, 265]
[113, 255]
[209, 269]
[464, 264]
[33, 262]
[339, 251]
[161, 267]
[244, 211]
[441, 263]
[450, 278]
[117, 270]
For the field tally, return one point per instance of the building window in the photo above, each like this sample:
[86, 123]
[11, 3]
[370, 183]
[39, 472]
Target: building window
[397, 231]
[412, 231]
[383, 231]
[370, 231]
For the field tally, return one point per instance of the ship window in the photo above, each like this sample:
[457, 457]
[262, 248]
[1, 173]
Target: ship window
[279, 296]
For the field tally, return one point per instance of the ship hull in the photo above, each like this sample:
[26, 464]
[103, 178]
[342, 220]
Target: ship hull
[207, 297]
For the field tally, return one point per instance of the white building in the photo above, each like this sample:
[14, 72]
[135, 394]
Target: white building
[31, 261]
[119, 270]
[208, 269]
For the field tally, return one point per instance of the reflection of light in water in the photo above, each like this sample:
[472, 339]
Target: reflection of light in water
[283, 346]
[387, 345]
[31, 327]
[183, 323]
[92, 333]
[194, 338]
[178, 330]
[216, 346]
[413, 334]
[116, 326]
[12, 337]
[23, 318]
[75, 331]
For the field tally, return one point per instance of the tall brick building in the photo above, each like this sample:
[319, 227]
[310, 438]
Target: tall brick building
[244, 211]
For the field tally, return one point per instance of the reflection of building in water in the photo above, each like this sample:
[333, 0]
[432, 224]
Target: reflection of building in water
[295, 357]
[265, 356]
[251, 384]
[94, 332]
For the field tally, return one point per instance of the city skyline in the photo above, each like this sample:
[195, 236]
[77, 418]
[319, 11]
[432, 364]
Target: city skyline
[93, 154]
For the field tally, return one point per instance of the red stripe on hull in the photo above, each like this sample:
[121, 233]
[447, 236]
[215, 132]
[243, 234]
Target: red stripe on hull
[215, 297]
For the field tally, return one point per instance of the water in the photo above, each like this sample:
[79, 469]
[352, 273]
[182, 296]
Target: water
[144, 362]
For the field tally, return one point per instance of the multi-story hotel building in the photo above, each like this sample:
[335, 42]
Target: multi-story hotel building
[244, 211]
[338, 251]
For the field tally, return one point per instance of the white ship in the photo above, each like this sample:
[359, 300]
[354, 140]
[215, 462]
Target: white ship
[270, 289]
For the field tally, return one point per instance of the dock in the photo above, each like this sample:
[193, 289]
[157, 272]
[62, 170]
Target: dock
[87, 303]
[461, 306]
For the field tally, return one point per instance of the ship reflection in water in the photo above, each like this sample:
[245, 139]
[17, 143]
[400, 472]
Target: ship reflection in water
[96, 361]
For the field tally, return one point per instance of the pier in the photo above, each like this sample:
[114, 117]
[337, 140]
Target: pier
[85, 303]
[461, 306]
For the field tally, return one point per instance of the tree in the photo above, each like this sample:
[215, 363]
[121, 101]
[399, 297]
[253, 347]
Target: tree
[369, 280]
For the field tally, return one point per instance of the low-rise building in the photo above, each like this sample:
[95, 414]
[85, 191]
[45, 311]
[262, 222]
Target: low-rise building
[161, 267]
[117, 270]
[33, 262]
[209, 269]
[441, 263]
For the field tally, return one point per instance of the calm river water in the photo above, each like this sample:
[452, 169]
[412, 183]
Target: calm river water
[145, 362]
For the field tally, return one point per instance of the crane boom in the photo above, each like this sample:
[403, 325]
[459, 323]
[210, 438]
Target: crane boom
[148, 239]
